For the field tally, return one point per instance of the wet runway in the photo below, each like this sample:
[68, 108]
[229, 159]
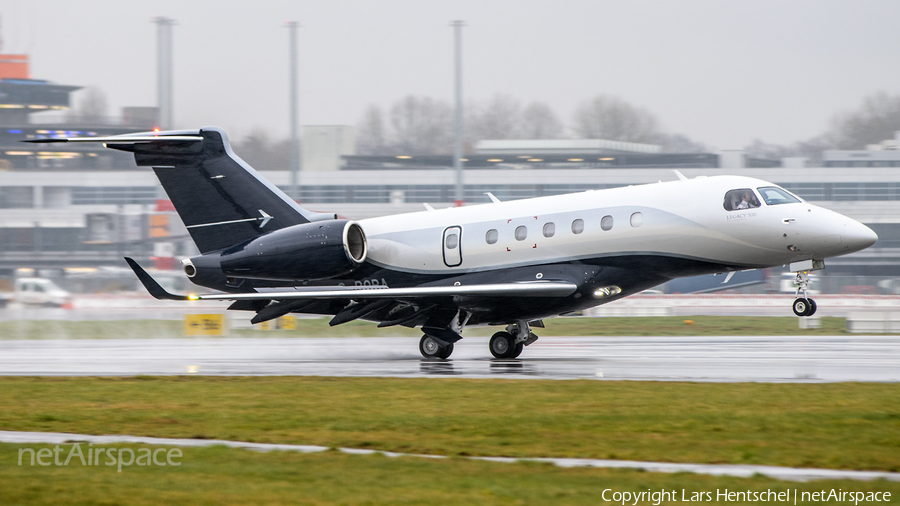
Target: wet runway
[723, 359]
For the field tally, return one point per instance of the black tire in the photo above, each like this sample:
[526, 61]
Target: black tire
[517, 350]
[430, 348]
[801, 307]
[502, 345]
[812, 308]
[446, 351]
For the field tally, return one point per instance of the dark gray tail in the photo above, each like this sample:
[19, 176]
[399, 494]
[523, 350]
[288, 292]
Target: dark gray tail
[220, 198]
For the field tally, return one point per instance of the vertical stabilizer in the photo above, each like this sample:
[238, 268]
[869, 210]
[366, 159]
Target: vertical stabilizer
[221, 200]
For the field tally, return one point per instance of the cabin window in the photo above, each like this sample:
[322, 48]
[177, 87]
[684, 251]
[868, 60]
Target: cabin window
[606, 223]
[452, 241]
[742, 198]
[578, 226]
[774, 196]
[491, 236]
[637, 219]
[521, 232]
[549, 229]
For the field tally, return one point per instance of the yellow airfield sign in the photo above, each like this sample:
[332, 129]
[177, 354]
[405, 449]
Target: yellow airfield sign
[287, 322]
[205, 325]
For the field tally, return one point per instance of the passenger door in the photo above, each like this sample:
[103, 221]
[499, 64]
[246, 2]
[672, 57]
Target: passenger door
[452, 246]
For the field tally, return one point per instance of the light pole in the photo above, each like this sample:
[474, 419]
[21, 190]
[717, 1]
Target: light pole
[458, 121]
[295, 137]
[164, 70]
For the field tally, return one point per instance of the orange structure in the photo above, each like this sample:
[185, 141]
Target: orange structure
[14, 66]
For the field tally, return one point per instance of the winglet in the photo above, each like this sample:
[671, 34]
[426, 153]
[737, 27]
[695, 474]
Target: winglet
[493, 198]
[680, 175]
[151, 285]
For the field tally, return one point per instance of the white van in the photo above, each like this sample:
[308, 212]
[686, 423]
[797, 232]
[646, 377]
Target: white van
[41, 292]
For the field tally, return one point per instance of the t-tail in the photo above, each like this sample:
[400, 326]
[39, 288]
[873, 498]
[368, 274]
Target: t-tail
[220, 198]
[245, 228]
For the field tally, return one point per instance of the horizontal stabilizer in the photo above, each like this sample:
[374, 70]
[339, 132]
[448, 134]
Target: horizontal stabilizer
[121, 139]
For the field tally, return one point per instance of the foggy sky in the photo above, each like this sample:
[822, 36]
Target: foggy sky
[721, 72]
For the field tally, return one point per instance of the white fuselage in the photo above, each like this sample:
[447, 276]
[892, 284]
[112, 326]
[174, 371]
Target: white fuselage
[680, 219]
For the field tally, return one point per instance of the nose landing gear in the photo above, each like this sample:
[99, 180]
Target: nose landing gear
[803, 305]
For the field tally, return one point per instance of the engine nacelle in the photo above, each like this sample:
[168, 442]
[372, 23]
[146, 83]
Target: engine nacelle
[317, 250]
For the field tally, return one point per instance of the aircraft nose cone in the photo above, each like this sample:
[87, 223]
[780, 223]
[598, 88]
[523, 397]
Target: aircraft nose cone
[857, 236]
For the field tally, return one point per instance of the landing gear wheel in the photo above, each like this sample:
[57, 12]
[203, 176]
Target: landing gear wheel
[812, 308]
[804, 307]
[503, 345]
[446, 351]
[517, 350]
[430, 348]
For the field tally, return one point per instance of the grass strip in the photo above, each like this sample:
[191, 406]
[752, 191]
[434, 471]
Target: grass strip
[225, 476]
[839, 425]
[318, 327]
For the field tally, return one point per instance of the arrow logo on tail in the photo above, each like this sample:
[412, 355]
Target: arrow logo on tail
[265, 218]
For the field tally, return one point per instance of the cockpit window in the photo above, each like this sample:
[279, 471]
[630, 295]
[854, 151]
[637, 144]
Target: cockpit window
[742, 198]
[774, 195]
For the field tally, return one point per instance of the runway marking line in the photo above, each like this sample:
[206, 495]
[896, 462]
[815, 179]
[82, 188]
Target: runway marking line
[737, 470]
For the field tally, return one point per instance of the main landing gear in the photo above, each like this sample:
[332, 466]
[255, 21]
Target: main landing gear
[436, 343]
[440, 335]
[803, 305]
[429, 347]
[509, 344]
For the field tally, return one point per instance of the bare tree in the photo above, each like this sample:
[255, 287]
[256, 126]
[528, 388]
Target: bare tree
[605, 117]
[260, 152]
[679, 143]
[371, 137]
[876, 120]
[421, 125]
[499, 118]
[503, 117]
[811, 149]
[539, 121]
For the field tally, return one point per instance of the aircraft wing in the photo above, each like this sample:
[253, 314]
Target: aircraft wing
[523, 289]
[520, 289]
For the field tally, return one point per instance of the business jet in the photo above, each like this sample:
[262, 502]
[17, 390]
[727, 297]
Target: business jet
[510, 264]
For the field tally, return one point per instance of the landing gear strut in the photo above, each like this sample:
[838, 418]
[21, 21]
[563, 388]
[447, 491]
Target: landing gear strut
[509, 344]
[803, 305]
[440, 335]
